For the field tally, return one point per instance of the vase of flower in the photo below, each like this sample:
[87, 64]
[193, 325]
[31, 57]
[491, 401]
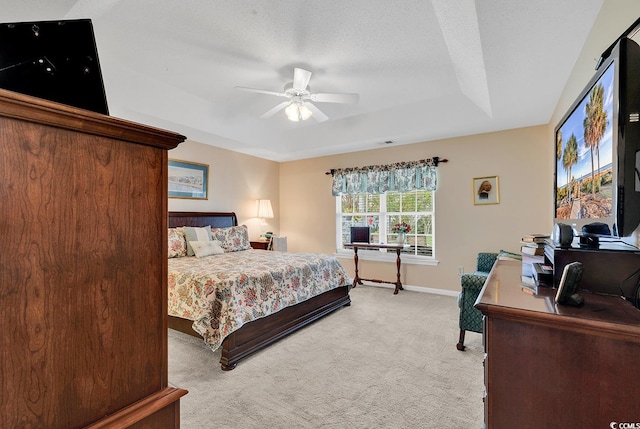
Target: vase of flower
[401, 229]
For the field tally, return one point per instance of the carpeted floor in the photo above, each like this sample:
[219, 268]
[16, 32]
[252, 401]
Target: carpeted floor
[384, 362]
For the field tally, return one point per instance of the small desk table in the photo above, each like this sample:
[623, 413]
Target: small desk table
[398, 248]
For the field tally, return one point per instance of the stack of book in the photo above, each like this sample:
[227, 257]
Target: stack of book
[533, 244]
[532, 253]
[542, 274]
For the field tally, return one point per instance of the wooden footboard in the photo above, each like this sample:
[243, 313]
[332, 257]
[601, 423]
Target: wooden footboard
[260, 333]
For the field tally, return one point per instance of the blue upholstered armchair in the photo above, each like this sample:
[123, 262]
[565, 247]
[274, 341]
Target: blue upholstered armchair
[470, 317]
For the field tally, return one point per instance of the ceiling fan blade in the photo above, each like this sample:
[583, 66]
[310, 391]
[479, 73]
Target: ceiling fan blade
[317, 113]
[301, 79]
[275, 110]
[261, 91]
[335, 98]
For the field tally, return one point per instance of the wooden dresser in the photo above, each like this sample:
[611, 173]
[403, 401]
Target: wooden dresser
[549, 366]
[83, 269]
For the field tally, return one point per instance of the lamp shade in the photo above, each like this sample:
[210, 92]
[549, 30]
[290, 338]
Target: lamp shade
[264, 209]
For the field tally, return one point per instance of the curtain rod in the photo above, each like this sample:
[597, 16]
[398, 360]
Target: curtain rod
[436, 160]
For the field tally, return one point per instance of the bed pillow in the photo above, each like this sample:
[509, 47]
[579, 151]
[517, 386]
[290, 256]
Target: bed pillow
[177, 243]
[232, 239]
[206, 248]
[192, 233]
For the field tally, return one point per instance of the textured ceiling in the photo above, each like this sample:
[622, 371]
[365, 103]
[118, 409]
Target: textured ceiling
[424, 69]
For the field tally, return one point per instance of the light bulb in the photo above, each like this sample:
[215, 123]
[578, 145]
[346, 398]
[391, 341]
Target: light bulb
[292, 112]
[305, 113]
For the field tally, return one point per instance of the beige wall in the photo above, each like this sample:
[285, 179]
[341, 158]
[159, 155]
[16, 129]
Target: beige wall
[522, 159]
[236, 181]
[305, 209]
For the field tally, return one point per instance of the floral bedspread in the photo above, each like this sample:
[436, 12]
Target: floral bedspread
[220, 293]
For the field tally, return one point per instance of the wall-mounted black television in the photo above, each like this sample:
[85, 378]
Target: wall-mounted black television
[54, 60]
[597, 168]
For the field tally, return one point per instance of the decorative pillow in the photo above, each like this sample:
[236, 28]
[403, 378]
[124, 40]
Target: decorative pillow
[196, 234]
[206, 248]
[232, 239]
[177, 243]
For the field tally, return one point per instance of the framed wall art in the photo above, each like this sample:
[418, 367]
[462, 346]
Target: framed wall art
[486, 190]
[188, 179]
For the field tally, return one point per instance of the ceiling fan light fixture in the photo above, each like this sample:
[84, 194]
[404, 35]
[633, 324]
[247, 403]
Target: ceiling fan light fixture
[293, 113]
[297, 111]
[305, 113]
[299, 91]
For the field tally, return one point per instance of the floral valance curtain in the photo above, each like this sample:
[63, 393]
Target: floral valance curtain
[377, 179]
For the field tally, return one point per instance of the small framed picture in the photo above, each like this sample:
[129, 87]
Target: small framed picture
[188, 179]
[485, 190]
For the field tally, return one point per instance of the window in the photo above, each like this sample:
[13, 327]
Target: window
[380, 212]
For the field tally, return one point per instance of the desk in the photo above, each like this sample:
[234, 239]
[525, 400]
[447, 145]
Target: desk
[398, 248]
[553, 366]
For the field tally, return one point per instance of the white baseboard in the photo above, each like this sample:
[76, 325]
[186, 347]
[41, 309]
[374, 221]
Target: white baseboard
[415, 288]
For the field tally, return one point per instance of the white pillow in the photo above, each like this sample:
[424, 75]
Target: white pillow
[196, 234]
[206, 248]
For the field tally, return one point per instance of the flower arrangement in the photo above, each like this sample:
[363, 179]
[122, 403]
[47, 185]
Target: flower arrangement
[402, 227]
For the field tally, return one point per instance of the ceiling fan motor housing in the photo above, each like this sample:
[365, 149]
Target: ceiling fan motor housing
[290, 91]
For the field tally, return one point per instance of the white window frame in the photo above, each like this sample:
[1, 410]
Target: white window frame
[383, 255]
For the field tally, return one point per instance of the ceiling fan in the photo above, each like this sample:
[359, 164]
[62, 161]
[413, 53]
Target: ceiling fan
[299, 104]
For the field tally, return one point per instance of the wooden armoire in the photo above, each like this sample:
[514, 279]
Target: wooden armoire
[83, 269]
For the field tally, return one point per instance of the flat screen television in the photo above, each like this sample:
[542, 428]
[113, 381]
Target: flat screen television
[54, 60]
[597, 168]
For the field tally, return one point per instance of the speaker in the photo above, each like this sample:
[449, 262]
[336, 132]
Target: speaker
[563, 235]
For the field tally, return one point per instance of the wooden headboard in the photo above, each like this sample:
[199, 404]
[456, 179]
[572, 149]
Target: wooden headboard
[215, 219]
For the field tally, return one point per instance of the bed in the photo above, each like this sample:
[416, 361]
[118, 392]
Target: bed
[240, 333]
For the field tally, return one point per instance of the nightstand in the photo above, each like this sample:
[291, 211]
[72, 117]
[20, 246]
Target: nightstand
[261, 245]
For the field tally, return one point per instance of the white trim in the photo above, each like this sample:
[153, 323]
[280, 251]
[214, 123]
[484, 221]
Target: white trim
[414, 289]
[384, 228]
[388, 257]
